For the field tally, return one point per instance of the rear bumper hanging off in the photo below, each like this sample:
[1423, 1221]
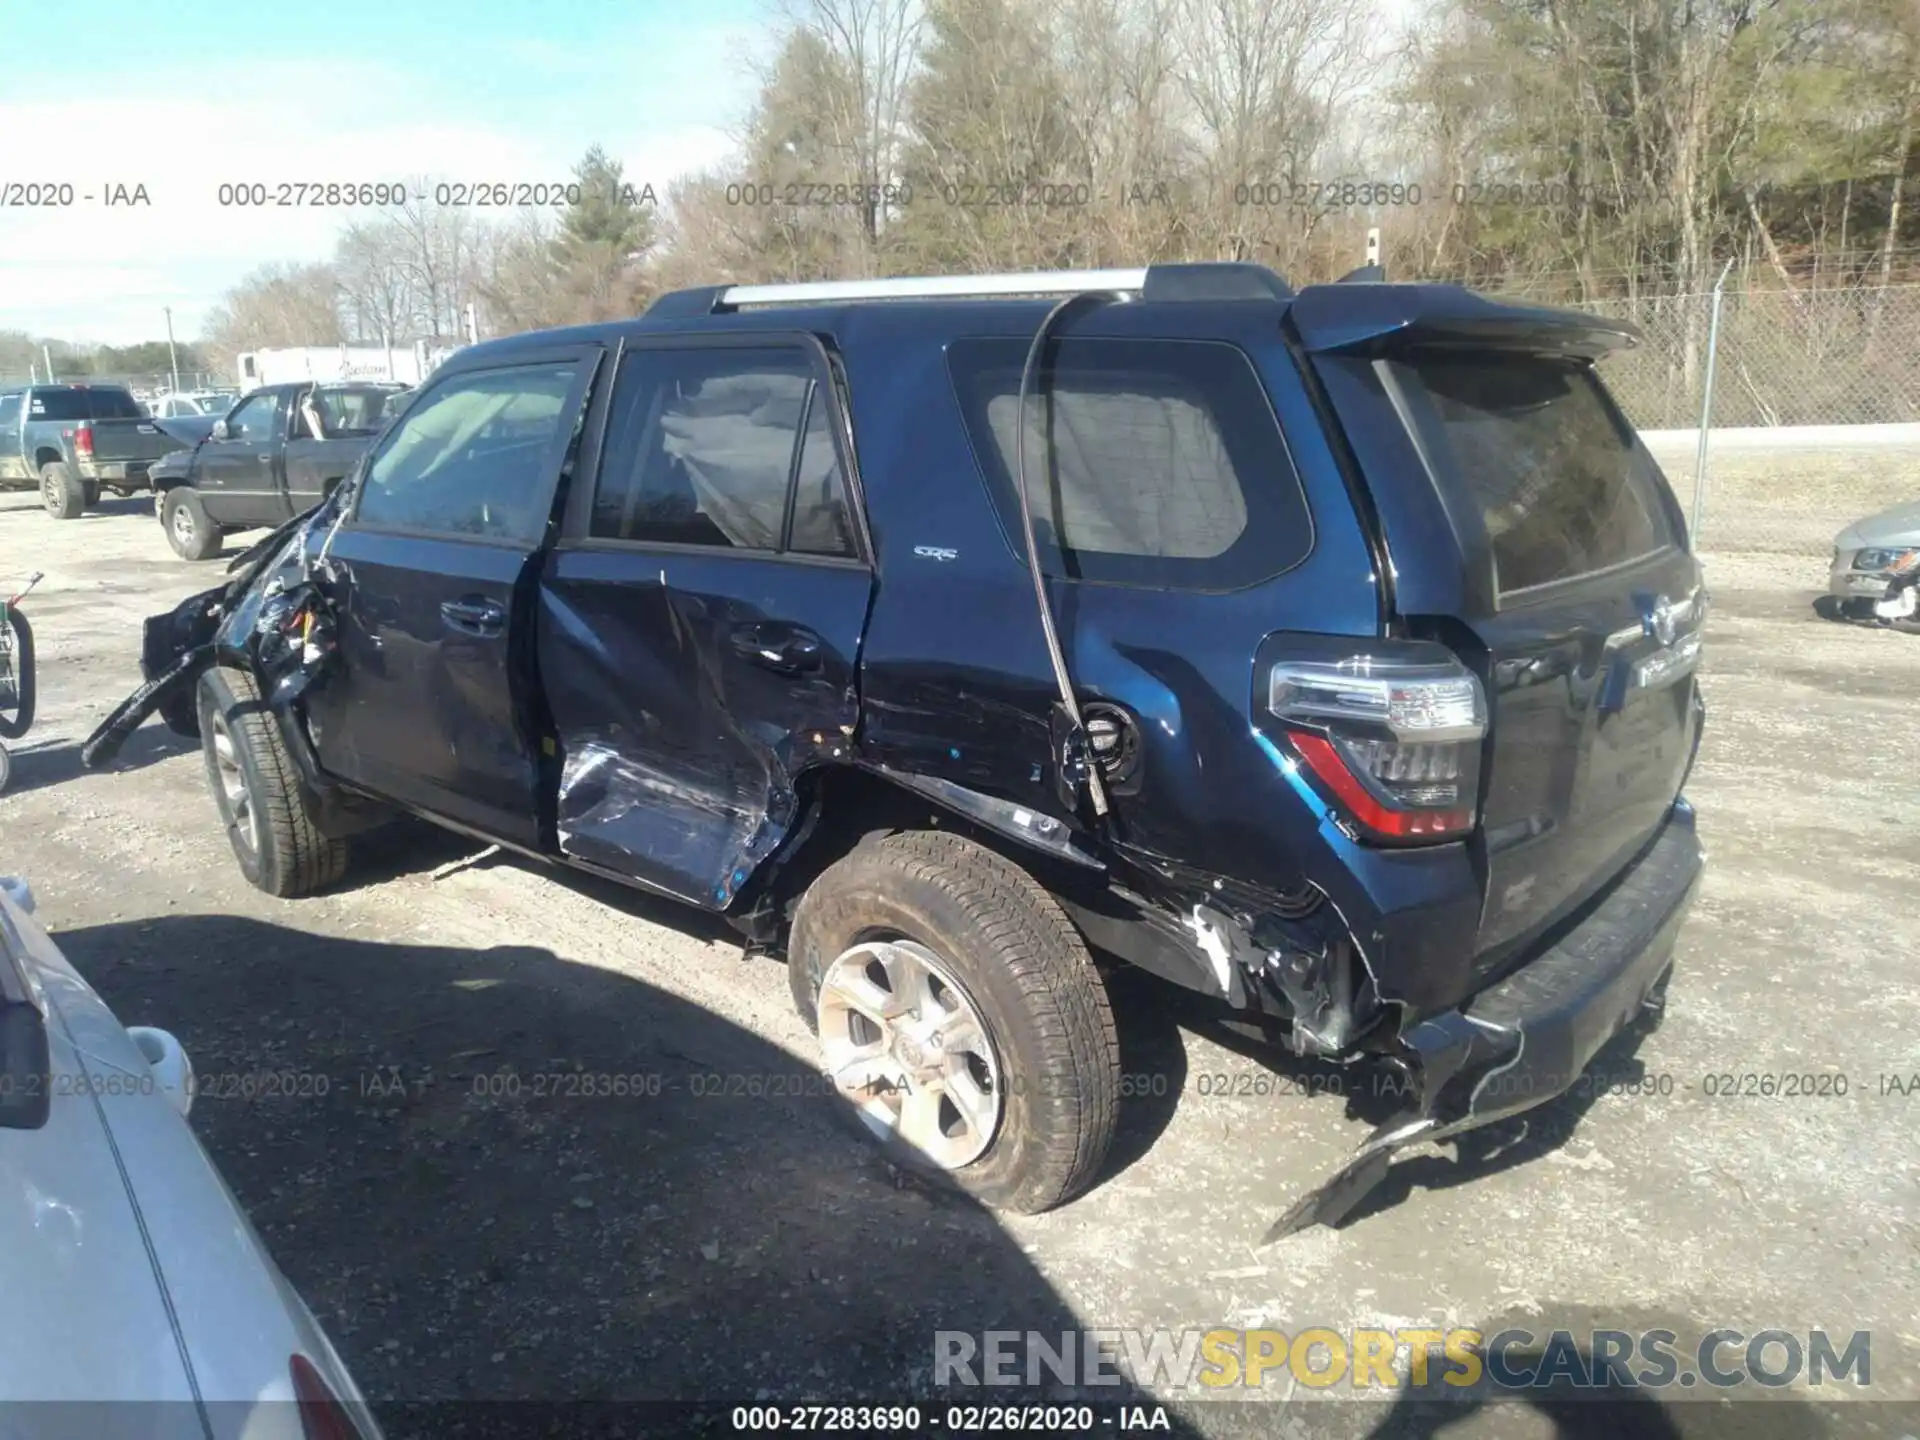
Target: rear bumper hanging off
[1527, 1039]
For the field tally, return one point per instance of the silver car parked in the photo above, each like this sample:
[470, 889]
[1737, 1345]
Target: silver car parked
[140, 1300]
[1870, 552]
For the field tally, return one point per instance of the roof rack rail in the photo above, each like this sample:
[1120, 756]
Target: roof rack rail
[1205, 281]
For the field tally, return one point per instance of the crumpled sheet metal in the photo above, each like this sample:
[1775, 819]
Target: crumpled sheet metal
[613, 808]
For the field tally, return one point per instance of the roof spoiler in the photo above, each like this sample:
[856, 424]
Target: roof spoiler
[1381, 318]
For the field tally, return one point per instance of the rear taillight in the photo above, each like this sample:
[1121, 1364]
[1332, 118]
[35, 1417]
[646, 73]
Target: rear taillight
[322, 1416]
[83, 442]
[1394, 744]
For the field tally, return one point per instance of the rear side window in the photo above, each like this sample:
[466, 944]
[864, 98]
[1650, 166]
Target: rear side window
[1557, 476]
[58, 405]
[113, 404]
[1153, 463]
[729, 447]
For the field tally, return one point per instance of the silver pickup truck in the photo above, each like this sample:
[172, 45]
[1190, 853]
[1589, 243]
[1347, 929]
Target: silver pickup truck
[73, 441]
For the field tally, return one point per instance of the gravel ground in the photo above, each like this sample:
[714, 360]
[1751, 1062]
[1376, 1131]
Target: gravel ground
[1789, 504]
[466, 1228]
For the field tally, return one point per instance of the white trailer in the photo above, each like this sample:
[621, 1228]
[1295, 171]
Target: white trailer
[407, 365]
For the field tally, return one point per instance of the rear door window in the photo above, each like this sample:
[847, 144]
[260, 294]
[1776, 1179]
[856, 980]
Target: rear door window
[1154, 463]
[1555, 473]
[726, 446]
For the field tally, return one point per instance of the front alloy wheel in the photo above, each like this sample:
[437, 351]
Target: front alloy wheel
[236, 799]
[907, 1048]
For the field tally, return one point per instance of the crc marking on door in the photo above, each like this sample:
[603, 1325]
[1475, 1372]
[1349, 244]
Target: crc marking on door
[935, 552]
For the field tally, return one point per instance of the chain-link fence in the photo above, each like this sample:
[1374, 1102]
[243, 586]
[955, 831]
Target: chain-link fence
[144, 386]
[1805, 388]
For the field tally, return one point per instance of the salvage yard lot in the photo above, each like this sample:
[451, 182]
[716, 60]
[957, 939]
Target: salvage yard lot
[518, 1135]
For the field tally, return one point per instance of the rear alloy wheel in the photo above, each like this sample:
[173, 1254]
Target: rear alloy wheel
[190, 532]
[62, 493]
[961, 1019]
[904, 1043]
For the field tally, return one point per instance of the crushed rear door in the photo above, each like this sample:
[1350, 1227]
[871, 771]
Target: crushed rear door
[1529, 529]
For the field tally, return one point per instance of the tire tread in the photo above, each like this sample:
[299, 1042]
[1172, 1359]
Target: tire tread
[306, 860]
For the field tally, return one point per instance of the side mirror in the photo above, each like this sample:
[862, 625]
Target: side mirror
[219, 431]
[26, 1065]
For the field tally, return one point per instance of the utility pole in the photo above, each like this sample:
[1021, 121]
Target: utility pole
[473, 325]
[173, 358]
[47, 355]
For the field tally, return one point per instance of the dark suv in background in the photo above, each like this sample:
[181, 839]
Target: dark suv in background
[1351, 684]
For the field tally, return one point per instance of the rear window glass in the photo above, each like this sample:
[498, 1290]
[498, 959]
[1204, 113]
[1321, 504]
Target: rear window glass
[1556, 474]
[1153, 463]
[85, 404]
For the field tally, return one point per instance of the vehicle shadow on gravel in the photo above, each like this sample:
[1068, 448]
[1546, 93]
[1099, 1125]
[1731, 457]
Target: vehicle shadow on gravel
[496, 1174]
[1546, 1356]
[1153, 1061]
[1372, 1095]
[38, 765]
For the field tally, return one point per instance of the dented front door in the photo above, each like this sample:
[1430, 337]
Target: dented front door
[699, 627]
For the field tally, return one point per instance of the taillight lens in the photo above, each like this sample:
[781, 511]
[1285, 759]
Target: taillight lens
[1395, 744]
[83, 442]
[322, 1416]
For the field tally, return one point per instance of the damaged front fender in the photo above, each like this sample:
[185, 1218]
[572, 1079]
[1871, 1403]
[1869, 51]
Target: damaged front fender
[215, 626]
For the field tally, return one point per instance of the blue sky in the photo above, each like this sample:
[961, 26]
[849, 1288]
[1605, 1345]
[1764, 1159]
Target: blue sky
[182, 97]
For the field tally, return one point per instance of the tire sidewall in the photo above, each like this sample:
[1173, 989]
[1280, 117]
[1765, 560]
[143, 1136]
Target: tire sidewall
[61, 494]
[874, 897]
[182, 500]
[216, 697]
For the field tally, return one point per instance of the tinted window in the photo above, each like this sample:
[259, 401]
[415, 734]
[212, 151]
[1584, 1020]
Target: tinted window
[822, 519]
[58, 405]
[112, 403]
[253, 420]
[1149, 462]
[702, 450]
[472, 456]
[1555, 473]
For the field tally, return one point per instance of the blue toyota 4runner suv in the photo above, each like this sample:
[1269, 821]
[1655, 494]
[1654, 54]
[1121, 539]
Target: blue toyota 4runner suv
[1335, 659]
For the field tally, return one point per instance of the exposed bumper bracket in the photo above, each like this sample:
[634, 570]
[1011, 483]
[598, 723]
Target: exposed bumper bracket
[1526, 1040]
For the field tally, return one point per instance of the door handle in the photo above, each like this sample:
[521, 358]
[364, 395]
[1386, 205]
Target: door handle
[475, 615]
[784, 649]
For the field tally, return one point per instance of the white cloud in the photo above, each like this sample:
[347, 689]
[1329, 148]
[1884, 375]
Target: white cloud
[102, 273]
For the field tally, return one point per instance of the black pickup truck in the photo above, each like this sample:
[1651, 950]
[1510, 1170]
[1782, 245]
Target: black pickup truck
[72, 441]
[277, 453]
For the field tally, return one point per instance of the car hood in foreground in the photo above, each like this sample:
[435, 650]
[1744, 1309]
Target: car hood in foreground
[1890, 529]
[147, 1281]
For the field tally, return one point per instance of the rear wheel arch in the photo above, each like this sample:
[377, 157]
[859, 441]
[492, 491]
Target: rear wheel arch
[1044, 1100]
[844, 807]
